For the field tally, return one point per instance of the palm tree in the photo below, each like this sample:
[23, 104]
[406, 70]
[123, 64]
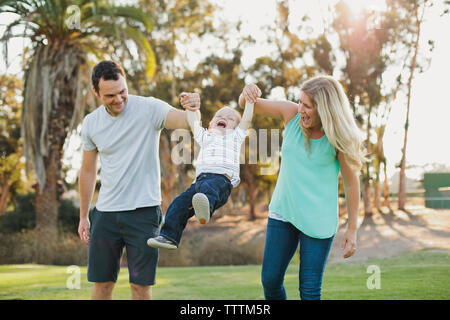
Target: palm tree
[63, 33]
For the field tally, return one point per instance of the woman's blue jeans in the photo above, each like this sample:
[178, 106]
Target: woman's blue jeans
[282, 240]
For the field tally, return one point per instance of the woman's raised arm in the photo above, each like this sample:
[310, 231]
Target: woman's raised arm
[285, 110]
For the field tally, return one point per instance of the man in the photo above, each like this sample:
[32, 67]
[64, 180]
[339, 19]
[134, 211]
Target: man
[124, 132]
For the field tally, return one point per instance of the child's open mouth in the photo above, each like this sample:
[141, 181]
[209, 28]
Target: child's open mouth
[222, 124]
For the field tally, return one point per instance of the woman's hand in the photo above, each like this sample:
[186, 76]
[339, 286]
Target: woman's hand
[190, 101]
[349, 243]
[251, 93]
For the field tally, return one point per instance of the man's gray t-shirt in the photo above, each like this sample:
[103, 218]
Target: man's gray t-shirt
[128, 147]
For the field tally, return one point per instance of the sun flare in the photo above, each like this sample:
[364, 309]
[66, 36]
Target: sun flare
[359, 6]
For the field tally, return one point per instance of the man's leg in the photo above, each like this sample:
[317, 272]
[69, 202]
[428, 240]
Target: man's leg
[103, 290]
[104, 253]
[140, 292]
[138, 226]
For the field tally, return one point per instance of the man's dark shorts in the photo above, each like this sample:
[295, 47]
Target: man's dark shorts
[111, 232]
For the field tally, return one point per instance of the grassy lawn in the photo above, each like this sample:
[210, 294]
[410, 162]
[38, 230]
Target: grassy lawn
[422, 274]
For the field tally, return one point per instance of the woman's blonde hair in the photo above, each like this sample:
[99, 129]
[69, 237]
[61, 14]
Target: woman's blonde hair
[337, 118]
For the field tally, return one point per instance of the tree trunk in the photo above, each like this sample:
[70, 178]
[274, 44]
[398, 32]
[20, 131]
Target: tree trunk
[251, 189]
[4, 188]
[366, 178]
[168, 171]
[366, 198]
[378, 160]
[386, 192]
[252, 199]
[376, 195]
[47, 199]
[47, 205]
[402, 178]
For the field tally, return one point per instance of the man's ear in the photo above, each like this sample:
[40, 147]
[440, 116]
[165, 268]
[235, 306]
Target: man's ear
[95, 93]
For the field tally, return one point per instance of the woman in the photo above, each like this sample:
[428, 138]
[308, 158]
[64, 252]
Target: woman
[320, 138]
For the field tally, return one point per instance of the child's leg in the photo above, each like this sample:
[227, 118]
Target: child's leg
[216, 187]
[202, 210]
[177, 215]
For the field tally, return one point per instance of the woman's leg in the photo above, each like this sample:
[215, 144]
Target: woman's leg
[281, 244]
[313, 258]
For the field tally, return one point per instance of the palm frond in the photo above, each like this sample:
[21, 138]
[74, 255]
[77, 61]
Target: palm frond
[31, 120]
[45, 93]
[142, 42]
[18, 7]
[134, 14]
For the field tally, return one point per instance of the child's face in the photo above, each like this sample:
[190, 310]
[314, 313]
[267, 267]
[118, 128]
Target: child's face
[224, 119]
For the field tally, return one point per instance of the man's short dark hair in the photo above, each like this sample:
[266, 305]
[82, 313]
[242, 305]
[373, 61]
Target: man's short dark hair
[106, 70]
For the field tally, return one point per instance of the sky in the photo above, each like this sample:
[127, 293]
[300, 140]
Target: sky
[429, 133]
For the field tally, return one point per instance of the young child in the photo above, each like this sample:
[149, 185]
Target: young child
[217, 169]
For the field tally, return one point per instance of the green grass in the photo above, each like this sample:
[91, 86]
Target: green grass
[414, 275]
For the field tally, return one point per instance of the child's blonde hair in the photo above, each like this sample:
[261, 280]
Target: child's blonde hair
[337, 118]
[236, 113]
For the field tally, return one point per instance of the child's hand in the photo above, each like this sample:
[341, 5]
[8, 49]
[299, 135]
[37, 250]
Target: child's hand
[190, 101]
[251, 93]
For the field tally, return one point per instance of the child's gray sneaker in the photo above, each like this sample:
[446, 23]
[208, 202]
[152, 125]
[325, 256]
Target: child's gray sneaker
[161, 243]
[200, 203]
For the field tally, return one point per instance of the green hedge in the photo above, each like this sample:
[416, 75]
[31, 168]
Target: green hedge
[23, 217]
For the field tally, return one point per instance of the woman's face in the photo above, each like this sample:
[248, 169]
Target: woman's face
[309, 117]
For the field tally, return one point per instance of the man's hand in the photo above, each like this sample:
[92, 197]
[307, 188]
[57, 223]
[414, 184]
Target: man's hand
[83, 230]
[190, 101]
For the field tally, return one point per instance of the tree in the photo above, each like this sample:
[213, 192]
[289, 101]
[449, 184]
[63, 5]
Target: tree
[10, 146]
[365, 63]
[285, 68]
[415, 11]
[176, 24]
[221, 80]
[57, 89]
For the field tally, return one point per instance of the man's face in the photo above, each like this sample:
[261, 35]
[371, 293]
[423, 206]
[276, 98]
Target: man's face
[113, 94]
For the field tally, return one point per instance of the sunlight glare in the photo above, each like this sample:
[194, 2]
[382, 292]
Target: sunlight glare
[359, 6]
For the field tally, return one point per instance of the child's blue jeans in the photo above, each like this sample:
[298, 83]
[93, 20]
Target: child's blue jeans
[282, 240]
[216, 187]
